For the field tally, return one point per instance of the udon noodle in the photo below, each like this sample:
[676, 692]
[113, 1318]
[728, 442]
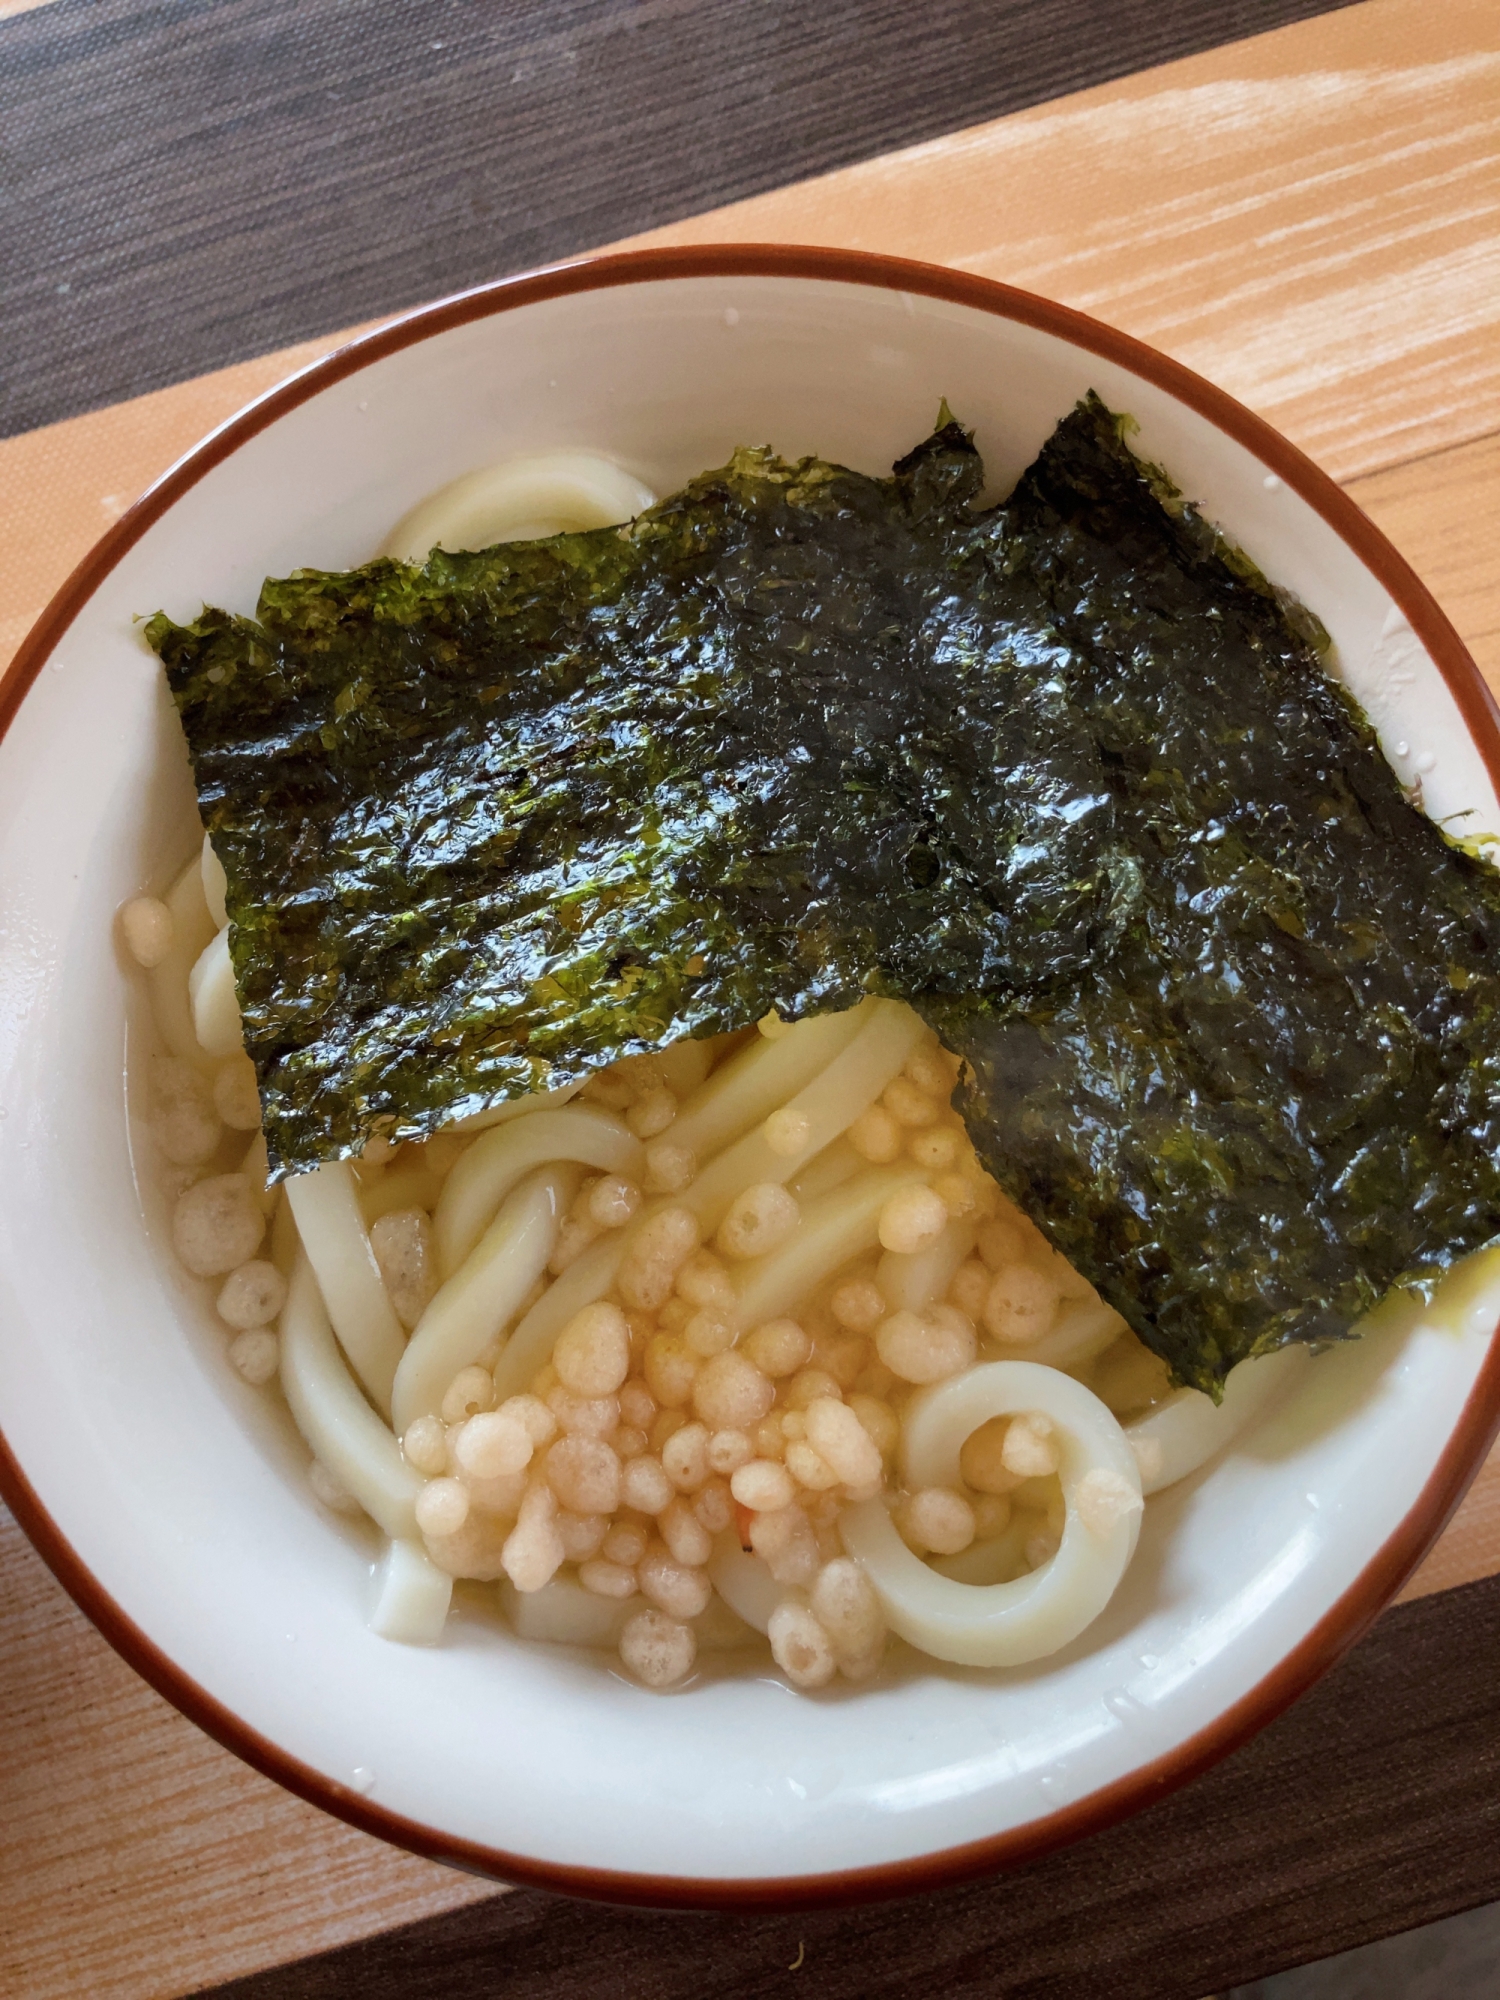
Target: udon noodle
[736, 1344]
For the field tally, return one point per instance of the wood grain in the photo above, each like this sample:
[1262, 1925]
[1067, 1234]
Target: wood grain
[138, 1858]
[1441, 511]
[1243, 208]
[63, 485]
[1469, 1547]
[1308, 218]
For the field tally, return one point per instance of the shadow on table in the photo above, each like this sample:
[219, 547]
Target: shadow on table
[1457, 1959]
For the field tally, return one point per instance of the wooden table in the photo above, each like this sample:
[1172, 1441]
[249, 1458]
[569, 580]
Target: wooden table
[1308, 217]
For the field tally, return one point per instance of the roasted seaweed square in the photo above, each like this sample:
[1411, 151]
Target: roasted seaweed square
[1067, 774]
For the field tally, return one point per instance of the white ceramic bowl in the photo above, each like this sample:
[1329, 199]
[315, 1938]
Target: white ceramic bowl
[171, 1500]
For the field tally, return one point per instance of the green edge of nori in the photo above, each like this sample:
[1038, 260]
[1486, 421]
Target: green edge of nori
[1068, 774]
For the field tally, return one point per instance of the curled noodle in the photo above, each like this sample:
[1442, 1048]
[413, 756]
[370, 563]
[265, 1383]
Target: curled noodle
[1001, 1624]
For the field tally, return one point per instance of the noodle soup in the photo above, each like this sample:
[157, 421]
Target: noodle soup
[736, 1346]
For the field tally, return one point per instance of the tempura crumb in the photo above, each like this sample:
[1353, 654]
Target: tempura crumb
[1104, 1498]
[800, 1646]
[217, 1224]
[256, 1355]
[252, 1295]
[402, 1243]
[659, 1650]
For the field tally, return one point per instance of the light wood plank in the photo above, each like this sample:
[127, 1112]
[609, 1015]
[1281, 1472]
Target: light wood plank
[1441, 513]
[1470, 1545]
[62, 486]
[1308, 218]
[138, 1858]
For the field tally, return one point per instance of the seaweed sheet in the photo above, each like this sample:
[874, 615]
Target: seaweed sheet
[1066, 774]
[1277, 1093]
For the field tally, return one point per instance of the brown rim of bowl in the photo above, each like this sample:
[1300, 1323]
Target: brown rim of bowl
[1471, 1437]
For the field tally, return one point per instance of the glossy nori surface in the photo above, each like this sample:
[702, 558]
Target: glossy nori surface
[1277, 1091]
[1066, 774]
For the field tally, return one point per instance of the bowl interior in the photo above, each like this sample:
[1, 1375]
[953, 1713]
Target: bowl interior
[183, 1491]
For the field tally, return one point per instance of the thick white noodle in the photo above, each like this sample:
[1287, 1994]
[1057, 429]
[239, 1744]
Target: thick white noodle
[517, 1107]
[826, 1171]
[483, 1295]
[530, 1345]
[1000, 1624]
[397, 1188]
[1083, 1328]
[718, 1628]
[167, 983]
[286, 1244]
[743, 1581]
[684, 1065]
[823, 1233]
[994, 1561]
[760, 1077]
[548, 493]
[747, 1097]
[909, 1279]
[829, 1234]
[832, 1230]
[1190, 1427]
[342, 1430]
[412, 1596]
[487, 1172]
[215, 883]
[830, 1103]
[215, 1004]
[563, 1613]
[332, 1227]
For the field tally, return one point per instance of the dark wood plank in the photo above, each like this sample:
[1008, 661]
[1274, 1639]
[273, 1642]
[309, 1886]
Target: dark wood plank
[184, 183]
[1372, 1806]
